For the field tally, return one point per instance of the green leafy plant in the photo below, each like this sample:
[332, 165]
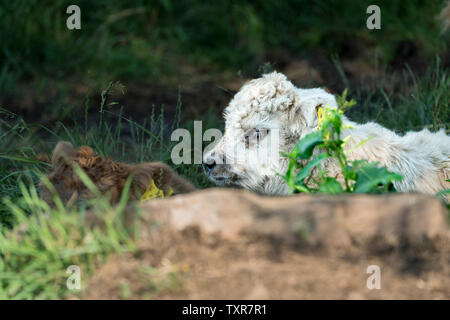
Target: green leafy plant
[442, 194]
[305, 173]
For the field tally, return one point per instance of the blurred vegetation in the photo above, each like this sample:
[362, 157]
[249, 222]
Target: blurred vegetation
[150, 39]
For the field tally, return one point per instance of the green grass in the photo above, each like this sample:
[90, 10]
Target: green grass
[33, 261]
[140, 39]
[113, 135]
[405, 102]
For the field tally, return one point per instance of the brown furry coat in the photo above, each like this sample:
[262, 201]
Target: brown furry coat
[109, 176]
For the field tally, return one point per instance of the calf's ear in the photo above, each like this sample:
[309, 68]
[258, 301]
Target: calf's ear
[63, 151]
[144, 173]
[307, 104]
[163, 177]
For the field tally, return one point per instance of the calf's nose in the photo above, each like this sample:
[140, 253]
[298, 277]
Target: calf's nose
[209, 163]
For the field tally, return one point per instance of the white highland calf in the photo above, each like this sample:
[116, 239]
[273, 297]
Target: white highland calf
[270, 114]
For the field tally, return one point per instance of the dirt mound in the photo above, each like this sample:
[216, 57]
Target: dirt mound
[225, 244]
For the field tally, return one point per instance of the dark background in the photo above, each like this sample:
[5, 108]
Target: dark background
[203, 48]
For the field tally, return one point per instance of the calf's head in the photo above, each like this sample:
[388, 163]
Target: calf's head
[268, 115]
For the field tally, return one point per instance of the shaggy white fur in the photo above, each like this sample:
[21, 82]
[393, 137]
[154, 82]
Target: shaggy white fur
[270, 114]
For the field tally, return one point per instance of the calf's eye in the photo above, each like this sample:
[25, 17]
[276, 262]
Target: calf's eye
[252, 137]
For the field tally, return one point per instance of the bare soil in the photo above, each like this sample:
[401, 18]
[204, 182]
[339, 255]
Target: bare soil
[194, 266]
